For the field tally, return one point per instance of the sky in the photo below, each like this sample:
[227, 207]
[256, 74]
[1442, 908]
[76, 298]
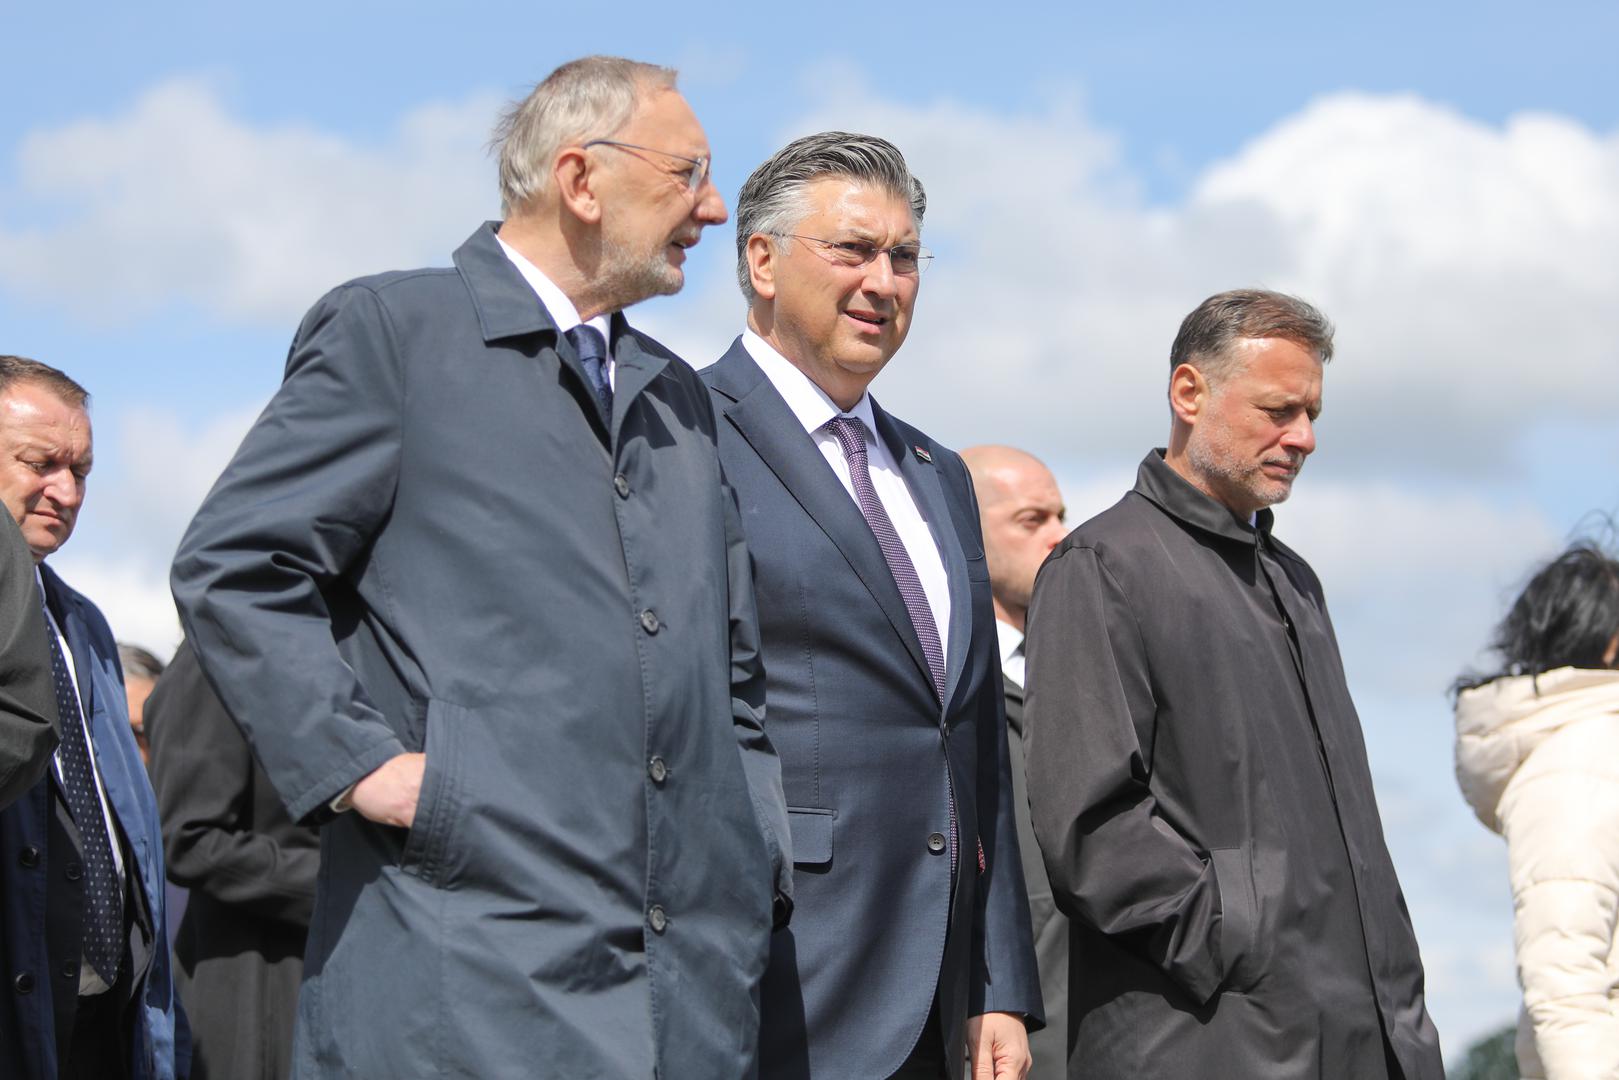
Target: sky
[179, 182]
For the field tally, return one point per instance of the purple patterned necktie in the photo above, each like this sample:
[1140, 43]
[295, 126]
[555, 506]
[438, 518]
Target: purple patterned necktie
[851, 435]
[103, 888]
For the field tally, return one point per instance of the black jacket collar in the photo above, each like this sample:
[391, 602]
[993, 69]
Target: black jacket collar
[1174, 495]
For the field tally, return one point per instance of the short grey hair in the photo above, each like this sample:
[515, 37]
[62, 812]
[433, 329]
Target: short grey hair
[774, 201]
[584, 99]
[1207, 335]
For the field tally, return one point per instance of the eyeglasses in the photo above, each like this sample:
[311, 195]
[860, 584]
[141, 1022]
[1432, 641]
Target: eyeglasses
[694, 179]
[907, 260]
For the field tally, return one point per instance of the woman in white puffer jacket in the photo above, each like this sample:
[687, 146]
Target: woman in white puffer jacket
[1537, 755]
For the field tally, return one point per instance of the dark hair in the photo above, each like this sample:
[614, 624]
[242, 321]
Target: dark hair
[20, 369]
[1566, 616]
[1207, 334]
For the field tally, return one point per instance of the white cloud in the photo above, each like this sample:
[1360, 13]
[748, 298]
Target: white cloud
[1470, 269]
[180, 201]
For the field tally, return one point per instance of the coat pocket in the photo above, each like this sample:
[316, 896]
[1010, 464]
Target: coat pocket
[812, 834]
[438, 804]
[1239, 917]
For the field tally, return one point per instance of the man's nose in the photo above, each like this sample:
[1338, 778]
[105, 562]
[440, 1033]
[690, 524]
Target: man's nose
[710, 208]
[1300, 436]
[880, 277]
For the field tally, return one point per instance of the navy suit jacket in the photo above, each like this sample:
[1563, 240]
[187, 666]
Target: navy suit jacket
[870, 758]
[39, 950]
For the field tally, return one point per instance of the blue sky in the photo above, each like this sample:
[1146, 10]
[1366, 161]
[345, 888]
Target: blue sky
[178, 183]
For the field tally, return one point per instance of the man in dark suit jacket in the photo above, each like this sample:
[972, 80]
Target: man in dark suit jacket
[83, 938]
[27, 697]
[1023, 516]
[910, 937]
[474, 574]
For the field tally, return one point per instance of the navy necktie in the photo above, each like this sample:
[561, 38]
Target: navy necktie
[592, 349]
[103, 889]
[851, 436]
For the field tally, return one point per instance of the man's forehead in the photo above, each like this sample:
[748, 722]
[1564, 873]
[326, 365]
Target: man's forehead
[857, 204]
[662, 112]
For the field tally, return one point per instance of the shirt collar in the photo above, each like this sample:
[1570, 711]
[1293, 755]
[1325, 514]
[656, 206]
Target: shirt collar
[1175, 495]
[556, 302]
[808, 402]
[1010, 639]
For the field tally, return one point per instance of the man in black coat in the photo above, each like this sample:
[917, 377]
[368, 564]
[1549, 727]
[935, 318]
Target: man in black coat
[1197, 776]
[239, 953]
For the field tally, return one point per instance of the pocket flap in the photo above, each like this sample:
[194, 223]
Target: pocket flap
[812, 834]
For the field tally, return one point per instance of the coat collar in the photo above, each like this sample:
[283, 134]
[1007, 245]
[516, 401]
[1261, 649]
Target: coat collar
[64, 605]
[1174, 494]
[507, 307]
[763, 419]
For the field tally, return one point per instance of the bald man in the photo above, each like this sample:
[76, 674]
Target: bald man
[1022, 516]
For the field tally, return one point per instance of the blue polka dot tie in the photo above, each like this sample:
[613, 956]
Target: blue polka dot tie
[592, 349]
[103, 889]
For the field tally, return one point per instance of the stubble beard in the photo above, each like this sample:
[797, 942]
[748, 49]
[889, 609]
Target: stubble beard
[1225, 471]
[628, 277]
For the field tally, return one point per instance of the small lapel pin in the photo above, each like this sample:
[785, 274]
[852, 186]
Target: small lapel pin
[922, 454]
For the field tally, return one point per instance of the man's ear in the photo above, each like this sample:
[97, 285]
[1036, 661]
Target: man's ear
[762, 259]
[575, 177]
[1188, 393]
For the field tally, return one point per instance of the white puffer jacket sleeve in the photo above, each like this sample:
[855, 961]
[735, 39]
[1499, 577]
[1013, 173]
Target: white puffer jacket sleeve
[1551, 759]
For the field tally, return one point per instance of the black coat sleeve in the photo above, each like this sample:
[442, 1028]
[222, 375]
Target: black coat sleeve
[1115, 861]
[224, 833]
[27, 697]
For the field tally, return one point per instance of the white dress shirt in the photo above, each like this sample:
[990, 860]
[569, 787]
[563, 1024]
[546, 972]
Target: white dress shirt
[1010, 639]
[813, 409]
[559, 307]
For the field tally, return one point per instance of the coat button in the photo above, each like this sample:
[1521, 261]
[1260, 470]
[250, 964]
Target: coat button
[936, 843]
[24, 983]
[73, 871]
[657, 769]
[622, 486]
[657, 919]
[29, 857]
[70, 969]
[649, 621]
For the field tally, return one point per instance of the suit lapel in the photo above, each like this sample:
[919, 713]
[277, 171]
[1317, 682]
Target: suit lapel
[923, 480]
[762, 418]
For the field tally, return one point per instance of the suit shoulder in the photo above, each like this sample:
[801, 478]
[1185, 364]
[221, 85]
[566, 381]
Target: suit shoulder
[1122, 525]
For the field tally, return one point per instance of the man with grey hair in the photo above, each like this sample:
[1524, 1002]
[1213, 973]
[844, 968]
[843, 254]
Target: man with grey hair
[477, 594]
[1197, 776]
[910, 944]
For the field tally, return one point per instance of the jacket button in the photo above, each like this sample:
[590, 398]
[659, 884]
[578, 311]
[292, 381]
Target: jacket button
[936, 843]
[70, 969]
[657, 769]
[657, 919]
[649, 621]
[24, 983]
[73, 871]
[622, 486]
[29, 857]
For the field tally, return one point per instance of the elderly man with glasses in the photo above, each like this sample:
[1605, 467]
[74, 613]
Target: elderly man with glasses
[476, 592]
[910, 944]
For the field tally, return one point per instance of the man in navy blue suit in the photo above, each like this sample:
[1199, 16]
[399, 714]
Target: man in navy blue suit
[910, 946]
[83, 943]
